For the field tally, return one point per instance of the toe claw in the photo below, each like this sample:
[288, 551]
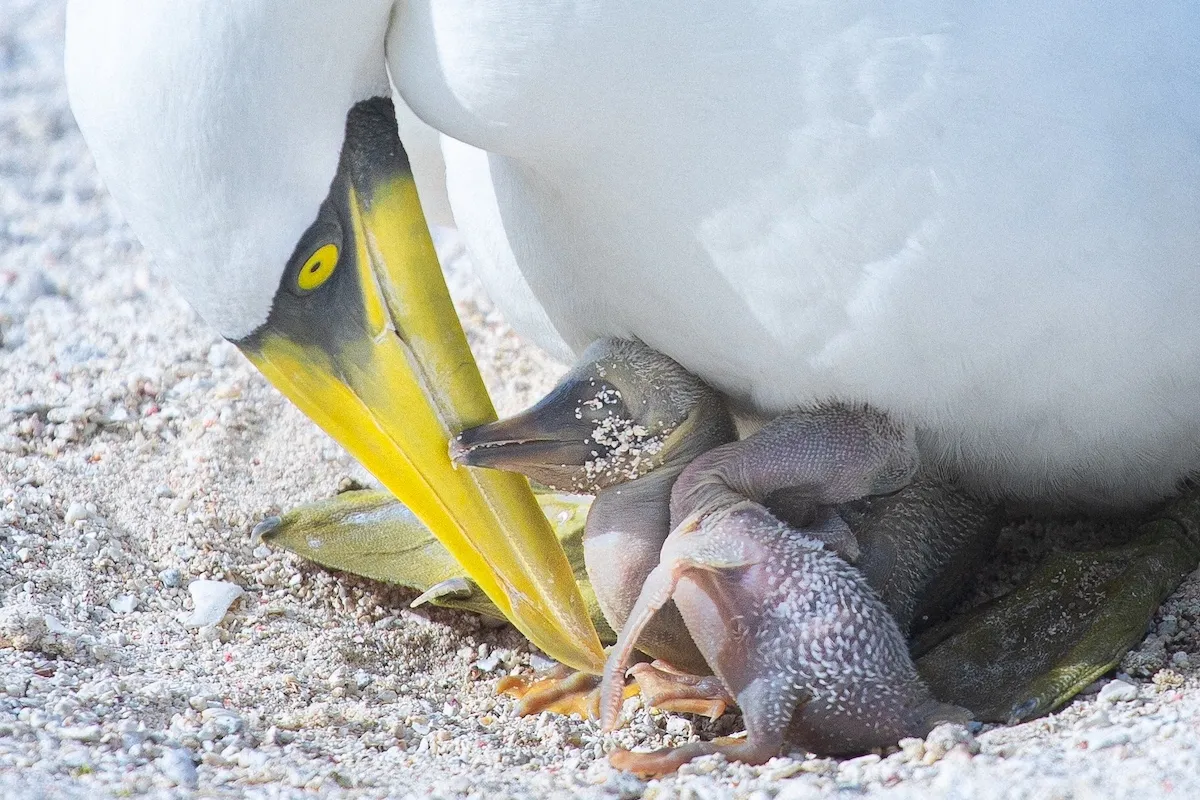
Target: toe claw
[1024, 711]
[666, 688]
[265, 527]
[456, 588]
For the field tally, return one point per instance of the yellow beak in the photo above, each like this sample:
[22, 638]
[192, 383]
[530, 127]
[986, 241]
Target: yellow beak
[396, 388]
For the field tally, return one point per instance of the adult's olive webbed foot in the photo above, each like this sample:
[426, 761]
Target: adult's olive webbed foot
[372, 534]
[1030, 651]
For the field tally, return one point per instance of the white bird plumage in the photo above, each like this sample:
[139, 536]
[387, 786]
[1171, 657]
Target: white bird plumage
[984, 219]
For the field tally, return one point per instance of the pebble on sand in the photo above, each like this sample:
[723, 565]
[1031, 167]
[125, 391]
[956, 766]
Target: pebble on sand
[1118, 691]
[177, 765]
[212, 600]
[123, 604]
[75, 513]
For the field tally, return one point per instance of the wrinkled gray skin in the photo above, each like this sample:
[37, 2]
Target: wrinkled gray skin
[805, 646]
[798, 638]
[627, 423]
[921, 548]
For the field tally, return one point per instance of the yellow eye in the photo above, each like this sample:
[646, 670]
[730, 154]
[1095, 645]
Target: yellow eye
[318, 268]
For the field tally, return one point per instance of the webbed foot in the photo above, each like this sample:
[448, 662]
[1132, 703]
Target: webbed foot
[1030, 651]
[564, 691]
[372, 534]
[665, 761]
[666, 688]
[560, 690]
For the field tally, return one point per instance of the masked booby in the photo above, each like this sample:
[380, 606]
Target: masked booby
[982, 220]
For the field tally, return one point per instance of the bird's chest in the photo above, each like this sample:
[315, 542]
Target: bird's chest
[910, 205]
[660, 166]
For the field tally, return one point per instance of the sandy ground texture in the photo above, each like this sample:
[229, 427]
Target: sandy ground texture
[137, 450]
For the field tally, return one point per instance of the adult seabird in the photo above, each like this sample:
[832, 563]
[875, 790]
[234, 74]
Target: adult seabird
[980, 219]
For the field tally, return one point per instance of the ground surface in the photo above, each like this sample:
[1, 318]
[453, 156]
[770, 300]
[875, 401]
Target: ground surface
[136, 452]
